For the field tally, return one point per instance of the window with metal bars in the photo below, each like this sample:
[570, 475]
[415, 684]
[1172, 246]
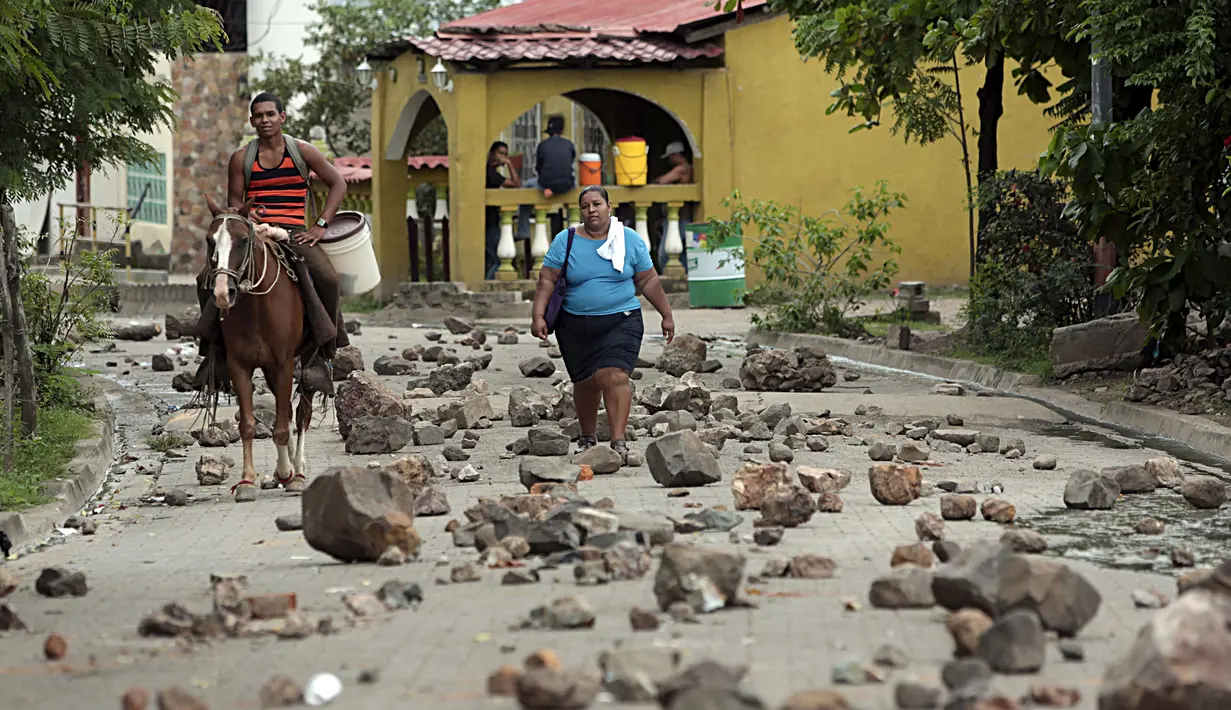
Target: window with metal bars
[527, 131]
[147, 190]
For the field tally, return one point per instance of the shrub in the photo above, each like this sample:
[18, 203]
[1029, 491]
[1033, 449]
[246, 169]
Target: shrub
[1034, 272]
[817, 270]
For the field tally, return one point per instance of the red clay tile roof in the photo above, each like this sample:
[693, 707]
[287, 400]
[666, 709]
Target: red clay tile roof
[642, 31]
[555, 48]
[629, 17]
[359, 169]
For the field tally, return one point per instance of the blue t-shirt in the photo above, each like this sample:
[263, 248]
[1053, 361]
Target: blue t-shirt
[595, 288]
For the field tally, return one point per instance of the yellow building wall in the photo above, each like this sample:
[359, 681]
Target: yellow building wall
[787, 149]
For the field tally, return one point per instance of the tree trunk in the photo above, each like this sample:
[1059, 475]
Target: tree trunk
[6, 365]
[27, 391]
[964, 140]
[991, 108]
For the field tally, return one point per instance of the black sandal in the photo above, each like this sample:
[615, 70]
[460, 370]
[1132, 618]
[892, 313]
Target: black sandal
[620, 447]
[586, 442]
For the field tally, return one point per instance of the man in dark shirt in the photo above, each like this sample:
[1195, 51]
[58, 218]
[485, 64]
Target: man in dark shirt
[554, 160]
[497, 155]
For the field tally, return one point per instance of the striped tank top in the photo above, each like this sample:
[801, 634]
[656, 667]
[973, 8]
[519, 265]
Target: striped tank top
[282, 191]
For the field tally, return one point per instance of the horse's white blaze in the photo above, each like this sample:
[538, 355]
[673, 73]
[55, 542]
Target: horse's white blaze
[222, 257]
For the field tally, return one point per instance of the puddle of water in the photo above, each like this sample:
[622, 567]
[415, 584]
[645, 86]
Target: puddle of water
[1106, 537]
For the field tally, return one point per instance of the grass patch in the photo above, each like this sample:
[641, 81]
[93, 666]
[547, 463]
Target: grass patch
[43, 458]
[363, 303]
[879, 326]
[1029, 364]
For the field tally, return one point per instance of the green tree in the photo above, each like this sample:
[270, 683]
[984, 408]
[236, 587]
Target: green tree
[332, 96]
[1155, 182]
[77, 90]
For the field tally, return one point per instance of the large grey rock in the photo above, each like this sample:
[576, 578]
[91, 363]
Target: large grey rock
[601, 459]
[1015, 643]
[469, 410]
[448, 378]
[796, 370]
[906, 587]
[706, 579]
[1088, 490]
[546, 442]
[633, 675]
[537, 366]
[682, 459]
[1179, 660]
[1132, 479]
[392, 365]
[362, 395]
[354, 514]
[1063, 600]
[684, 354]
[971, 580]
[527, 407]
[537, 469]
[345, 361]
[1111, 343]
[379, 435]
[687, 394]
[1204, 492]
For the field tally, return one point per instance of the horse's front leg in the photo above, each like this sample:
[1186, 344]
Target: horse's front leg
[281, 383]
[241, 378]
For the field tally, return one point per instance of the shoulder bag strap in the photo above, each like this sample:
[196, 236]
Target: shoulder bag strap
[568, 249]
[250, 153]
[292, 148]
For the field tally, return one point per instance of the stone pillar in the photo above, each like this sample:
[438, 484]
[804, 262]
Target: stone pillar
[643, 224]
[506, 250]
[541, 241]
[674, 242]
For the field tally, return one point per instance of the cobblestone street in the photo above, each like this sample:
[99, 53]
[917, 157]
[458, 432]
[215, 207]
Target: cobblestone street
[439, 656]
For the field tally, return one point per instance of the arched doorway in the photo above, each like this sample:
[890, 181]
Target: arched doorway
[421, 138]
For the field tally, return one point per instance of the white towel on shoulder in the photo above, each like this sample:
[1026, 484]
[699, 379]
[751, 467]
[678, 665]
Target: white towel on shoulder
[613, 249]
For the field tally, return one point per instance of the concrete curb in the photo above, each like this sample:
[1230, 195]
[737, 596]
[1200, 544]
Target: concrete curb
[1195, 432]
[86, 472]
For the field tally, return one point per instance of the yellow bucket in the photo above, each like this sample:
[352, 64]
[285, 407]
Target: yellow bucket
[631, 164]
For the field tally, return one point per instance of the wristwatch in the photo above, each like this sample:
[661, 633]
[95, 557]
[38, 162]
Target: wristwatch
[320, 222]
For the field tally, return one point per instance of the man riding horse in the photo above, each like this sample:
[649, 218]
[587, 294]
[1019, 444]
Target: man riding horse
[273, 172]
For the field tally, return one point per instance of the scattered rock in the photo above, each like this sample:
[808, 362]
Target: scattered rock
[345, 361]
[1180, 557]
[458, 326]
[1063, 599]
[362, 395]
[880, 451]
[913, 695]
[946, 550]
[829, 503]
[394, 366]
[913, 452]
[1179, 659]
[1149, 526]
[916, 554]
[1132, 479]
[998, 511]
[705, 579]
[894, 485]
[1087, 490]
[823, 480]
[809, 566]
[685, 354]
[289, 523]
[55, 647]
[1024, 541]
[432, 501]
[1044, 463]
[537, 366]
[967, 626]
[601, 459]
[179, 699]
[379, 435]
[1015, 643]
[956, 506]
[354, 514]
[1071, 650]
[1204, 492]
[930, 527]
[1166, 471]
[56, 582]
[281, 691]
[907, 587]
[681, 459]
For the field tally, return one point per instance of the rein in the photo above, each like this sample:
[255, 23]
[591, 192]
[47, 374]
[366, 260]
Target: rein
[247, 266]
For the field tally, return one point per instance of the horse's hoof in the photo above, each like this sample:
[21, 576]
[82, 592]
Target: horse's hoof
[268, 483]
[298, 484]
[245, 492]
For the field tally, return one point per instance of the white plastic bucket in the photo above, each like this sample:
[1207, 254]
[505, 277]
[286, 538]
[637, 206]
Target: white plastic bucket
[348, 244]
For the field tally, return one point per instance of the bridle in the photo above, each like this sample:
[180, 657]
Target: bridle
[247, 268]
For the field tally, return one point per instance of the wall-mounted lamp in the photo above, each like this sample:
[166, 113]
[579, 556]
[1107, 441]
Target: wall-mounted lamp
[440, 76]
[364, 72]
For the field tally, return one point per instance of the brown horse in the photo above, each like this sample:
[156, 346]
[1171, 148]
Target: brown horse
[262, 324]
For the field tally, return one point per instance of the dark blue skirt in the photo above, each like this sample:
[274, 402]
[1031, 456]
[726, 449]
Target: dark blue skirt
[590, 343]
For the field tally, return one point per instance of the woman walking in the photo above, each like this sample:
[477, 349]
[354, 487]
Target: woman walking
[598, 265]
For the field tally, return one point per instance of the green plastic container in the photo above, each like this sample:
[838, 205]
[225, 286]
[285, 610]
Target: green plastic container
[715, 279]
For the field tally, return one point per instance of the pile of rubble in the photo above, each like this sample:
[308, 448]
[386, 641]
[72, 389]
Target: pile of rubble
[1191, 384]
